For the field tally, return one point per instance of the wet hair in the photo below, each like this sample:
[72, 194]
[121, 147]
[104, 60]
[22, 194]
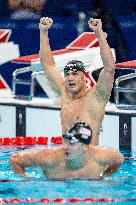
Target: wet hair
[79, 132]
[74, 65]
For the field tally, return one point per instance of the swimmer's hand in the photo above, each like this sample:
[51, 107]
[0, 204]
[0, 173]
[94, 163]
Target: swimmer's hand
[45, 24]
[95, 25]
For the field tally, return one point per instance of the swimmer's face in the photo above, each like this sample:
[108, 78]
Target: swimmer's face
[71, 149]
[74, 81]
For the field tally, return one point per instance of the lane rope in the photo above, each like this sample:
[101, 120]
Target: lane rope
[29, 140]
[64, 200]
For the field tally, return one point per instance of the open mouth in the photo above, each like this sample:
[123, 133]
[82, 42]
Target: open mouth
[72, 84]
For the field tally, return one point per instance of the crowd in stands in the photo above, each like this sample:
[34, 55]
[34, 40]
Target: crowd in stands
[108, 11]
[21, 9]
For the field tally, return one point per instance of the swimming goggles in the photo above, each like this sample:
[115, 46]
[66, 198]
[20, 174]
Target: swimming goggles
[79, 132]
[74, 68]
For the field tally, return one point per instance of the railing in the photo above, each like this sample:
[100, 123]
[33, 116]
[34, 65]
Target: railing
[118, 89]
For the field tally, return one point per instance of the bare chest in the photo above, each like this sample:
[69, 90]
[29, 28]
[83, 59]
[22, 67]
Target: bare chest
[61, 171]
[72, 110]
[73, 106]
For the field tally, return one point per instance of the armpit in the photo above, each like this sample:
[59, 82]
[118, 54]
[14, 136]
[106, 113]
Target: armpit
[101, 95]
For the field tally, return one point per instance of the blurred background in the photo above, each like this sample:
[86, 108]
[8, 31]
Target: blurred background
[70, 19]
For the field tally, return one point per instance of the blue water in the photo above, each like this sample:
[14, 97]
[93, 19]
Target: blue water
[120, 185]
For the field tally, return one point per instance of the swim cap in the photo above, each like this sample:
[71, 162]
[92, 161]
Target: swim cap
[79, 132]
[75, 66]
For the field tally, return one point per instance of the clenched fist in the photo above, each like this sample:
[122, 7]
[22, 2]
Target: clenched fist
[45, 23]
[95, 24]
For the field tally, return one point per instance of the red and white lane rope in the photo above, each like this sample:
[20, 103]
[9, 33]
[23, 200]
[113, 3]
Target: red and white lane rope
[65, 200]
[29, 140]
[32, 140]
[129, 158]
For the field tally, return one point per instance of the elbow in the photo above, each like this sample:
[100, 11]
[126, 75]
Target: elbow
[121, 158]
[114, 165]
[15, 164]
[13, 160]
[112, 64]
[41, 58]
[118, 161]
[111, 68]
[47, 60]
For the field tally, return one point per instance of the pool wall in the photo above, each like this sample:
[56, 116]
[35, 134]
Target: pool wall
[27, 118]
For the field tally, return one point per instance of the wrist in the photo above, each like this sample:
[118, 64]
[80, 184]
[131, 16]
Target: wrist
[43, 29]
[99, 33]
[43, 34]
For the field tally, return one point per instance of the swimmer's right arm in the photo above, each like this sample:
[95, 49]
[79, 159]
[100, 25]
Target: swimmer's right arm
[21, 160]
[31, 158]
[28, 158]
[46, 57]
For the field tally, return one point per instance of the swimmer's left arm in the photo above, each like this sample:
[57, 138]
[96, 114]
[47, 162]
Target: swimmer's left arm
[106, 77]
[111, 160]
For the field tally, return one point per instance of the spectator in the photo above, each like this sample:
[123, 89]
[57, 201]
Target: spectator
[134, 9]
[110, 26]
[4, 10]
[26, 9]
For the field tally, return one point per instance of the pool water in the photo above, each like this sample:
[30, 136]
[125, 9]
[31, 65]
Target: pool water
[120, 185]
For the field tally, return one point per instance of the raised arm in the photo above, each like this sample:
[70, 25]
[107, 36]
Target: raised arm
[46, 57]
[106, 78]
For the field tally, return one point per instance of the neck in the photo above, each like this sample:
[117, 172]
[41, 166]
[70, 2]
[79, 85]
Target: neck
[77, 161]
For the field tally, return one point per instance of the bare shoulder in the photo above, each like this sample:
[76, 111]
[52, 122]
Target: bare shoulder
[39, 154]
[48, 152]
[106, 153]
[101, 149]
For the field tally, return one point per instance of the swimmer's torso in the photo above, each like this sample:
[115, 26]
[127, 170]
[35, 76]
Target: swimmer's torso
[60, 170]
[84, 109]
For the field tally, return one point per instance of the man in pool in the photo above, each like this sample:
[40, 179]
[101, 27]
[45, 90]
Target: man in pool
[75, 159]
[78, 104]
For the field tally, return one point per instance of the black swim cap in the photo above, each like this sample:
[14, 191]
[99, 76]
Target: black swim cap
[74, 65]
[79, 132]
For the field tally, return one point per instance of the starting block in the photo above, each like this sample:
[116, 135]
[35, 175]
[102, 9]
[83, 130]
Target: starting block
[130, 88]
[4, 35]
[84, 41]
[5, 90]
[8, 50]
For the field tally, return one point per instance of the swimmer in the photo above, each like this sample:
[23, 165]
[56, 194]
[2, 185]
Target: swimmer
[75, 159]
[78, 104]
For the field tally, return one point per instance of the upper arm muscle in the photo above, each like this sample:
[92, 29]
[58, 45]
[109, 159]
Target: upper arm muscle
[55, 78]
[104, 85]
